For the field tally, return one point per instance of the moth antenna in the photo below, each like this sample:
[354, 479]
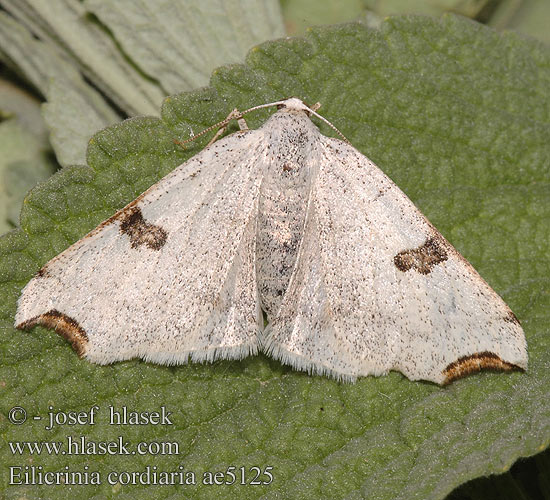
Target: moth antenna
[330, 125]
[236, 115]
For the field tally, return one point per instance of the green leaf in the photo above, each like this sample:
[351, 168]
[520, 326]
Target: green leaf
[527, 479]
[458, 116]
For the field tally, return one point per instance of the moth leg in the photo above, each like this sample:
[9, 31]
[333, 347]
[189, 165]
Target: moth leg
[221, 128]
[241, 121]
[316, 106]
[234, 115]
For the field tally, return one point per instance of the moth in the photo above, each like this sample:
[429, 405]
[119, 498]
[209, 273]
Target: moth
[285, 221]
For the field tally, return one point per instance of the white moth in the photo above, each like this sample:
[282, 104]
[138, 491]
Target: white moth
[353, 279]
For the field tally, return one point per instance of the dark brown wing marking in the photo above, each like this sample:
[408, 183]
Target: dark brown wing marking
[422, 259]
[475, 363]
[512, 318]
[42, 272]
[140, 232]
[64, 325]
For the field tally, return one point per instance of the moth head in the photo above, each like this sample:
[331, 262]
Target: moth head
[295, 104]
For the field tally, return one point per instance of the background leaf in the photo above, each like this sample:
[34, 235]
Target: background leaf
[23, 145]
[179, 44]
[98, 61]
[527, 16]
[530, 17]
[458, 116]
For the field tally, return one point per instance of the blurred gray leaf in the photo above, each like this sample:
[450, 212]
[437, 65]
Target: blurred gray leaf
[24, 158]
[180, 43]
[22, 164]
[66, 29]
[44, 67]
[133, 53]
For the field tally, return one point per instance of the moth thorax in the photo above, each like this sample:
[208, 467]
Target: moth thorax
[282, 212]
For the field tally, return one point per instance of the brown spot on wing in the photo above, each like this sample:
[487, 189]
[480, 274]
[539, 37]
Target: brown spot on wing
[64, 325]
[422, 259]
[139, 230]
[42, 272]
[512, 318]
[475, 363]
